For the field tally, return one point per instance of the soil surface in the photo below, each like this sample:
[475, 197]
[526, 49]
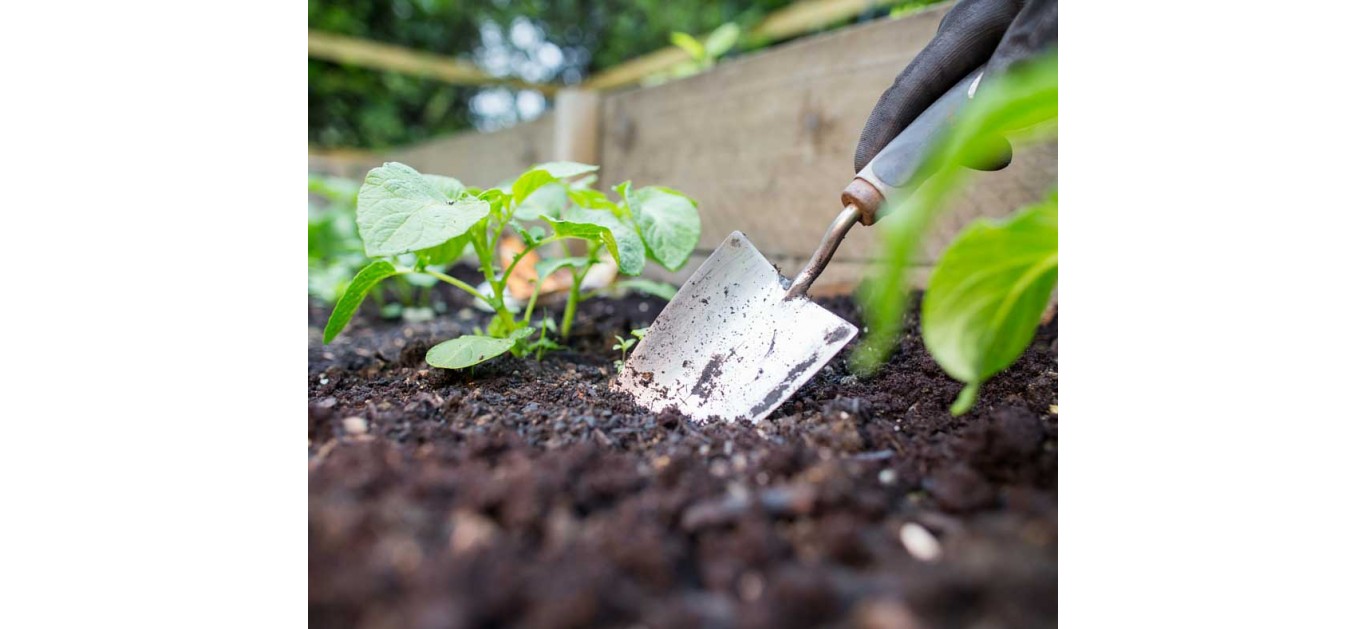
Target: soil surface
[526, 494]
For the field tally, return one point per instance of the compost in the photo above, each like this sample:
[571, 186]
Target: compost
[527, 494]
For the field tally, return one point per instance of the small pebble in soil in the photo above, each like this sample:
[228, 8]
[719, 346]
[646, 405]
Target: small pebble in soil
[354, 425]
[919, 542]
[886, 477]
[751, 587]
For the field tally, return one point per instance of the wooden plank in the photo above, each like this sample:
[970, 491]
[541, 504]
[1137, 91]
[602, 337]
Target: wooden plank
[577, 130]
[483, 159]
[795, 19]
[380, 56]
[766, 142]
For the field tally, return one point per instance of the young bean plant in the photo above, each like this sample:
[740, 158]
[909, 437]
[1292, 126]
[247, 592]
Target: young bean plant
[431, 220]
[625, 345]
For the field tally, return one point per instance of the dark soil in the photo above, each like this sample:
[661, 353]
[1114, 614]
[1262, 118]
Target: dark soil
[527, 494]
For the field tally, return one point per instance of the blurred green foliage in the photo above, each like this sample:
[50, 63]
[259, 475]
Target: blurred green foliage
[357, 107]
[1021, 105]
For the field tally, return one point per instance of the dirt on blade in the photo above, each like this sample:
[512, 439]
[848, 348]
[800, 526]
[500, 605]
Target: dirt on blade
[528, 494]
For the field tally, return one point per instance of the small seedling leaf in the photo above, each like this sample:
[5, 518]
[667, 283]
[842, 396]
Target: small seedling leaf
[690, 45]
[986, 296]
[355, 293]
[467, 350]
[721, 40]
[669, 224]
[400, 211]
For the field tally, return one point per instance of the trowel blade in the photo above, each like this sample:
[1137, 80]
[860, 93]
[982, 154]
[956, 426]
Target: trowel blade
[729, 344]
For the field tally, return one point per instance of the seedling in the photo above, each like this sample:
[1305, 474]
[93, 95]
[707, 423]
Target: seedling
[626, 344]
[432, 219]
[705, 51]
[988, 292]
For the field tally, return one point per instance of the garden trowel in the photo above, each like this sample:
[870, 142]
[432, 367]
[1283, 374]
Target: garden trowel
[739, 339]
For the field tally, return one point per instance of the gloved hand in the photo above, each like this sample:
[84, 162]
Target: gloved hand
[974, 32]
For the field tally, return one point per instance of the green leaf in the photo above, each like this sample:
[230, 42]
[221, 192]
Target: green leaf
[986, 296]
[690, 45]
[545, 267]
[449, 186]
[467, 350]
[621, 239]
[549, 199]
[444, 253]
[400, 211]
[566, 170]
[721, 40]
[355, 293]
[593, 200]
[624, 191]
[528, 183]
[663, 290]
[668, 223]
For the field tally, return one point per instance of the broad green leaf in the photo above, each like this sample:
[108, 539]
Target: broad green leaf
[985, 297]
[566, 170]
[444, 253]
[528, 183]
[690, 45]
[621, 239]
[663, 290]
[355, 293]
[721, 40]
[586, 231]
[668, 223]
[545, 267]
[400, 211]
[549, 199]
[449, 186]
[467, 350]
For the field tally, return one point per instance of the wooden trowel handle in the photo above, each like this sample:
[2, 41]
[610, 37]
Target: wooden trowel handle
[894, 171]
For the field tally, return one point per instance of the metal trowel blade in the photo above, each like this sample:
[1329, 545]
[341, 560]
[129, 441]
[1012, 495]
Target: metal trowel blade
[729, 344]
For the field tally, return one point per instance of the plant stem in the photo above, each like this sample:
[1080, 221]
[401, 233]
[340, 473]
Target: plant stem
[460, 285]
[531, 303]
[572, 303]
[486, 251]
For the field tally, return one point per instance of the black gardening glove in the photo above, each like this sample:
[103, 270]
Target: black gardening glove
[975, 32]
